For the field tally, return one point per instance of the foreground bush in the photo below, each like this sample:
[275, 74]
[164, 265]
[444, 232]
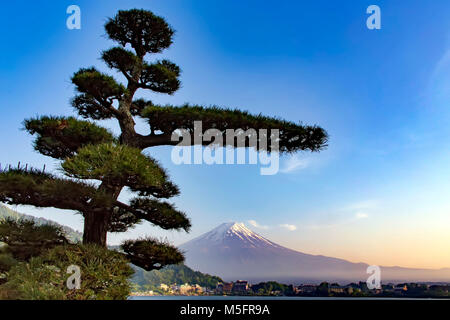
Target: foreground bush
[104, 275]
[24, 239]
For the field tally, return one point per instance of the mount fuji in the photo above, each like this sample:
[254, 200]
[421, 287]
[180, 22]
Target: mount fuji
[232, 251]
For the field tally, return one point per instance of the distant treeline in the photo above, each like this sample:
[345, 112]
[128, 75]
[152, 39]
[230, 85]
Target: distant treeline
[325, 289]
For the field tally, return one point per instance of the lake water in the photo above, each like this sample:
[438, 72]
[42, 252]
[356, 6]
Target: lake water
[222, 298]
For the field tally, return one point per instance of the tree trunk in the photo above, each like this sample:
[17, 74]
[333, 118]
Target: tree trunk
[96, 221]
[96, 228]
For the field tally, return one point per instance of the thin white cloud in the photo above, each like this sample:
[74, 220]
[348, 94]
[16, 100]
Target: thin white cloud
[439, 83]
[295, 163]
[362, 209]
[286, 226]
[257, 225]
[361, 215]
[361, 205]
[443, 62]
[351, 213]
[289, 227]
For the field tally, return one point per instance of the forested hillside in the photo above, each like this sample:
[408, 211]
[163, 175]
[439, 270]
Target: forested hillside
[174, 274]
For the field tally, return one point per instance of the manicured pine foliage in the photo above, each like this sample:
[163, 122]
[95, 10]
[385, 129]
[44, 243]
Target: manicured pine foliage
[24, 239]
[90, 152]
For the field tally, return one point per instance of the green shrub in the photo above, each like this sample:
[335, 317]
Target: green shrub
[7, 261]
[104, 275]
[25, 239]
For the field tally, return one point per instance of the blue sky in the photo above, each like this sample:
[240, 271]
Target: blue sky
[378, 193]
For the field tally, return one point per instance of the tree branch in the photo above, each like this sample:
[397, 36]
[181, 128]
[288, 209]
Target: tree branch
[61, 137]
[151, 254]
[39, 189]
[161, 214]
[168, 119]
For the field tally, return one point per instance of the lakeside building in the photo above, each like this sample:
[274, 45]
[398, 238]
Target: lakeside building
[224, 288]
[241, 286]
[187, 289]
[164, 287]
[305, 289]
[341, 289]
[400, 289]
[336, 289]
[238, 287]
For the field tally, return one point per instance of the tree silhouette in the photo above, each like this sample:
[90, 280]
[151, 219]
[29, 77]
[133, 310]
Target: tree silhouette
[90, 152]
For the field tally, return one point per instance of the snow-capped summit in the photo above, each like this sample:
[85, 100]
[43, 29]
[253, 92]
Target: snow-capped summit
[233, 251]
[232, 233]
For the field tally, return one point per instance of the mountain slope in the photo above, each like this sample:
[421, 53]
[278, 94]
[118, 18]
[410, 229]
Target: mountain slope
[6, 212]
[232, 251]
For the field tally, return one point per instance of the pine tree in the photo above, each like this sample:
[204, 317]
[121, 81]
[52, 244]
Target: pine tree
[90, 152]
